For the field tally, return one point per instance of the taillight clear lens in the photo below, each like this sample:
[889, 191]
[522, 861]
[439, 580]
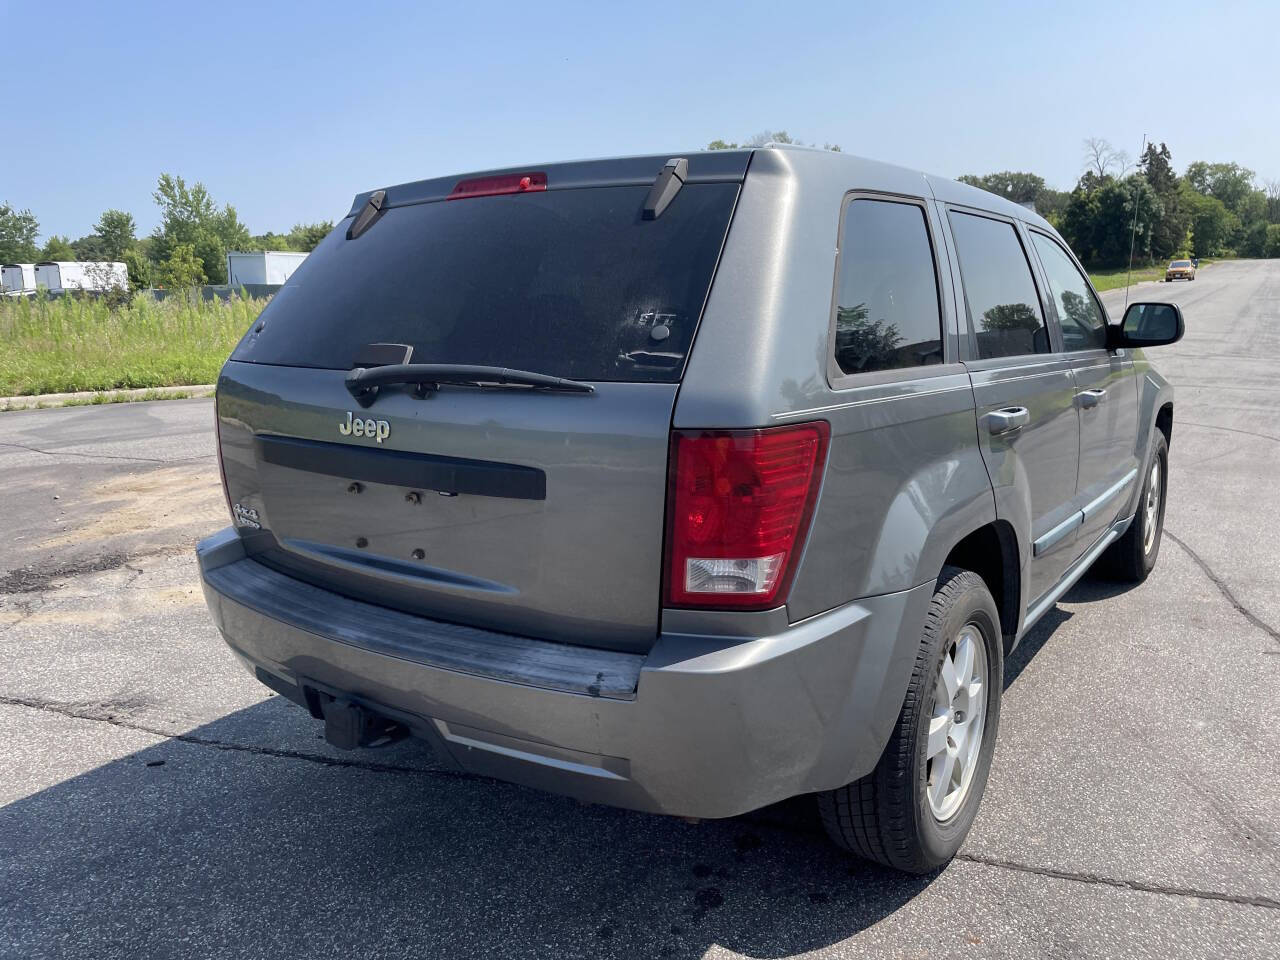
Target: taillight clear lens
[739, 507]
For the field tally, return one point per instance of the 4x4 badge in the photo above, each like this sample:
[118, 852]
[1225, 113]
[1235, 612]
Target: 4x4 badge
[355, 426]
[246, 516]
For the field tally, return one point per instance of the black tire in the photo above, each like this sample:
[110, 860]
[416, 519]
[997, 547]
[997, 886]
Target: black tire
[1129, 559]
[886, 815]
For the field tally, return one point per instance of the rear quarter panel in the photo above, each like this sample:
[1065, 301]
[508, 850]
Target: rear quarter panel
[905, 479]
[904, 483]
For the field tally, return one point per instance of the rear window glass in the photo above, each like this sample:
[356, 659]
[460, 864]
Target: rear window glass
[887, 313]
[564, 282]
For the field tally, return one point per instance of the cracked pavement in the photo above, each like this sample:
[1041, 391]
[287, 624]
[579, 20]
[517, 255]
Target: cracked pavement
[156, 801]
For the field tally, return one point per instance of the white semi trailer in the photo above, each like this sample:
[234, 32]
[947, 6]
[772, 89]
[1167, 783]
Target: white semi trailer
[17, 277]
[262, 266]
[98, 276]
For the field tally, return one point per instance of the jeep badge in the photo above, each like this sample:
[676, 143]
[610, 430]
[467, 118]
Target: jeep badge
[355, 426]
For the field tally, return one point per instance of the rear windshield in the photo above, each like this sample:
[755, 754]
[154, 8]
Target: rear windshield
[565, 282]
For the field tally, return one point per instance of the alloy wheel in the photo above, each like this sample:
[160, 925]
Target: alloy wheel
[1151, 508]
[956, 725]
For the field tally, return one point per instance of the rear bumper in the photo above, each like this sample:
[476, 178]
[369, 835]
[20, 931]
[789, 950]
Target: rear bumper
[707, 724]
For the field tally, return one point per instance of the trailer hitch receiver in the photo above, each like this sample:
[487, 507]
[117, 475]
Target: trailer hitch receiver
[348, 725]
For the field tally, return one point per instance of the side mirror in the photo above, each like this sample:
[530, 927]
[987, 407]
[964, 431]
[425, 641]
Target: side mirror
[1147, 325]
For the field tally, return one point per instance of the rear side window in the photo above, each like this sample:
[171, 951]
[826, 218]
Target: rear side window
[887, 313]
[571, 283]
[998, 289]
[1083, 325]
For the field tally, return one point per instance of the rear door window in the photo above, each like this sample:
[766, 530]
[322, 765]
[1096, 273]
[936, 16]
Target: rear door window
[998, 289]
[571, 283]
[887, 312]
[1084, 325]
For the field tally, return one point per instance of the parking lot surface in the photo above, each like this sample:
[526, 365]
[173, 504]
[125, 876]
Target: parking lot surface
[157, 802]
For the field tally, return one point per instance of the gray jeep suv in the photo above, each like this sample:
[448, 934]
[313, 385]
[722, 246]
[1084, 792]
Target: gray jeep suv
[684, 484]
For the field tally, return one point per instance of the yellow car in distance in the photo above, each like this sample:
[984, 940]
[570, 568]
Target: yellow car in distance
[1180, 270]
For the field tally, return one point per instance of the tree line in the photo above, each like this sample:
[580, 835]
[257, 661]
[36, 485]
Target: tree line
[189, 247]
[768, 136]
[1210, 210]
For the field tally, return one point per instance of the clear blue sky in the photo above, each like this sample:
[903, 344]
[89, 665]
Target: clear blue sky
[288, 111]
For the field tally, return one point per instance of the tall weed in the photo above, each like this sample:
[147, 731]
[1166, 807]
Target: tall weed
[63, 344]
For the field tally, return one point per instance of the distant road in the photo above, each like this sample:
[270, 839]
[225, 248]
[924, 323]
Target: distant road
[1226, 420]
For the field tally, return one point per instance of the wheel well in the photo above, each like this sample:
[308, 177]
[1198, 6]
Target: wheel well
[1164, 423]
[991, 552]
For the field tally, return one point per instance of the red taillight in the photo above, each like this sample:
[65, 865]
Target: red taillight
[738, 509]
[493, 186]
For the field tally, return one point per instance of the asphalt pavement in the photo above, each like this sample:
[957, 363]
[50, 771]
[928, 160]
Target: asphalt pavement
[157, 802]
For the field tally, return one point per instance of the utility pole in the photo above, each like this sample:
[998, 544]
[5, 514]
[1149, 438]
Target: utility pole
[1133, 234]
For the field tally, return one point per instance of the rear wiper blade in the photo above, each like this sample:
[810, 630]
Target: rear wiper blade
[363, 382]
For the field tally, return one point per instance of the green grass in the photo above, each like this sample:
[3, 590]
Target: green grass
[1115, 279]
[65, 345]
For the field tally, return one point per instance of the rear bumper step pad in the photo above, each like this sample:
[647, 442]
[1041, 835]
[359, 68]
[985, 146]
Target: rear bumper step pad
[449, 646]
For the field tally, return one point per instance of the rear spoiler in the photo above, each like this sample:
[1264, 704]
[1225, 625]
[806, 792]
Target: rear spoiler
[714, 166]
